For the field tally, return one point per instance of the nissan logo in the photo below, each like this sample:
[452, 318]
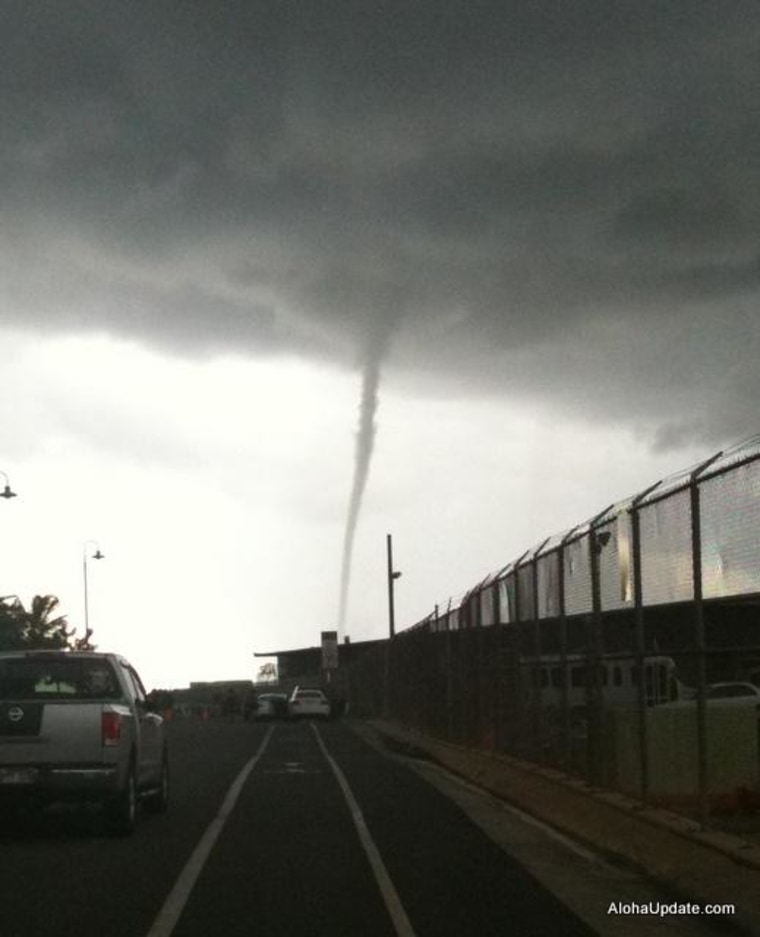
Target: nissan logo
[15, 714]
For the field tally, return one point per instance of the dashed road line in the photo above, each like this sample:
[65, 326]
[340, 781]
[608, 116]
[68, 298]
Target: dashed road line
[391, 898]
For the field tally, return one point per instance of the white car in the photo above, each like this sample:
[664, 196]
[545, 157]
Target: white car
[308, 704]
[272, 706]
[732, 690]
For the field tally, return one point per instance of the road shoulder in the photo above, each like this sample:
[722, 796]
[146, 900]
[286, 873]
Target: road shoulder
[697, 867]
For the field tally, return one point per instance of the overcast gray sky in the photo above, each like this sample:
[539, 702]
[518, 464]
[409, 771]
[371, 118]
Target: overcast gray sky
[537, 220]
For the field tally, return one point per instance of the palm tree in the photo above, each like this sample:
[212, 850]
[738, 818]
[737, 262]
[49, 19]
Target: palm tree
[11, 623]
[41, 629]
[38, 626]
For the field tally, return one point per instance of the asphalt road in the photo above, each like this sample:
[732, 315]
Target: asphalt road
[282, 829]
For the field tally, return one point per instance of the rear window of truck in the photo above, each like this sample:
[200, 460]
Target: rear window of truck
[55, 678]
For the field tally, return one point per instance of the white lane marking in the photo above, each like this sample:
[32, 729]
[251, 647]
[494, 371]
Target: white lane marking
[170, 913]
[392, 901]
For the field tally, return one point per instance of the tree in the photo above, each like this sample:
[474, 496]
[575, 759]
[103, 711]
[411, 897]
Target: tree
[38, 626]
[11, 625]
[41, 629]
[84, 643]
[267, 673]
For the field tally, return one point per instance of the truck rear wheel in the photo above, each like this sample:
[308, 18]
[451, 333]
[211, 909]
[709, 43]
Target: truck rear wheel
[121, 811]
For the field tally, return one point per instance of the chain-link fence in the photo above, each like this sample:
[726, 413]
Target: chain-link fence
[626, 650]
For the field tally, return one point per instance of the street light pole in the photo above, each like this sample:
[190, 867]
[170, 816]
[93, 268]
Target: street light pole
[97, 555]
[6, 492]
[392, 576]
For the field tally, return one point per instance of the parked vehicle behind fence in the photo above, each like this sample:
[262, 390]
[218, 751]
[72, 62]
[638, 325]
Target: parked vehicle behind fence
[78, 726]
[618, 680]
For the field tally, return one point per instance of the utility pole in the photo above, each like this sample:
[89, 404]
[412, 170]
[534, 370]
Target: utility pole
[97, 555]
[392, 576]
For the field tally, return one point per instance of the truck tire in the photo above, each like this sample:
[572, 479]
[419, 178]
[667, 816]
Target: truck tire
[121, 811]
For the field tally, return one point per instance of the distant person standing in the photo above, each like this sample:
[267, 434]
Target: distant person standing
[250, 705]
[230, 705]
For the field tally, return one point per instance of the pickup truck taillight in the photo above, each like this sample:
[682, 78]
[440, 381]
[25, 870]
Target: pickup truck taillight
[110, 725]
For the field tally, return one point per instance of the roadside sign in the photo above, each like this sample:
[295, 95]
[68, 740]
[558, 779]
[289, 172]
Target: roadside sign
[329, 650]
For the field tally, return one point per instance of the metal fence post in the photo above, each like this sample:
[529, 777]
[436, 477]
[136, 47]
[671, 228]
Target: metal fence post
[449, 679]
[699, 639]
[537, 648]
[596, 703]
[595, 696]
[638, 603]
[564, 668]
[499, 693]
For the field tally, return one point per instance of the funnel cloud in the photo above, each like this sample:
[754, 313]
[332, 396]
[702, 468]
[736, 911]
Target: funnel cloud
[214, 212]
[365, 440]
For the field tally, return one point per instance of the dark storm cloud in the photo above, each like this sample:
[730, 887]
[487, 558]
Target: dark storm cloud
[496, 176]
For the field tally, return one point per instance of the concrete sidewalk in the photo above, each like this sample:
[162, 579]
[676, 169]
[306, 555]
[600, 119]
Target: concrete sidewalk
[703, 866]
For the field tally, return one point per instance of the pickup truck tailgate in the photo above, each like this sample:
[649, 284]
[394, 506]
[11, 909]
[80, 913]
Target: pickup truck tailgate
[51, 732]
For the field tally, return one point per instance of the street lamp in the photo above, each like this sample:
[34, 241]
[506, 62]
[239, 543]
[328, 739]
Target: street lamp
[393, 575]
[97, 555]
[6, 492]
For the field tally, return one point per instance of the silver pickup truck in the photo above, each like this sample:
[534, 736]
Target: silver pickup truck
[77, 725]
